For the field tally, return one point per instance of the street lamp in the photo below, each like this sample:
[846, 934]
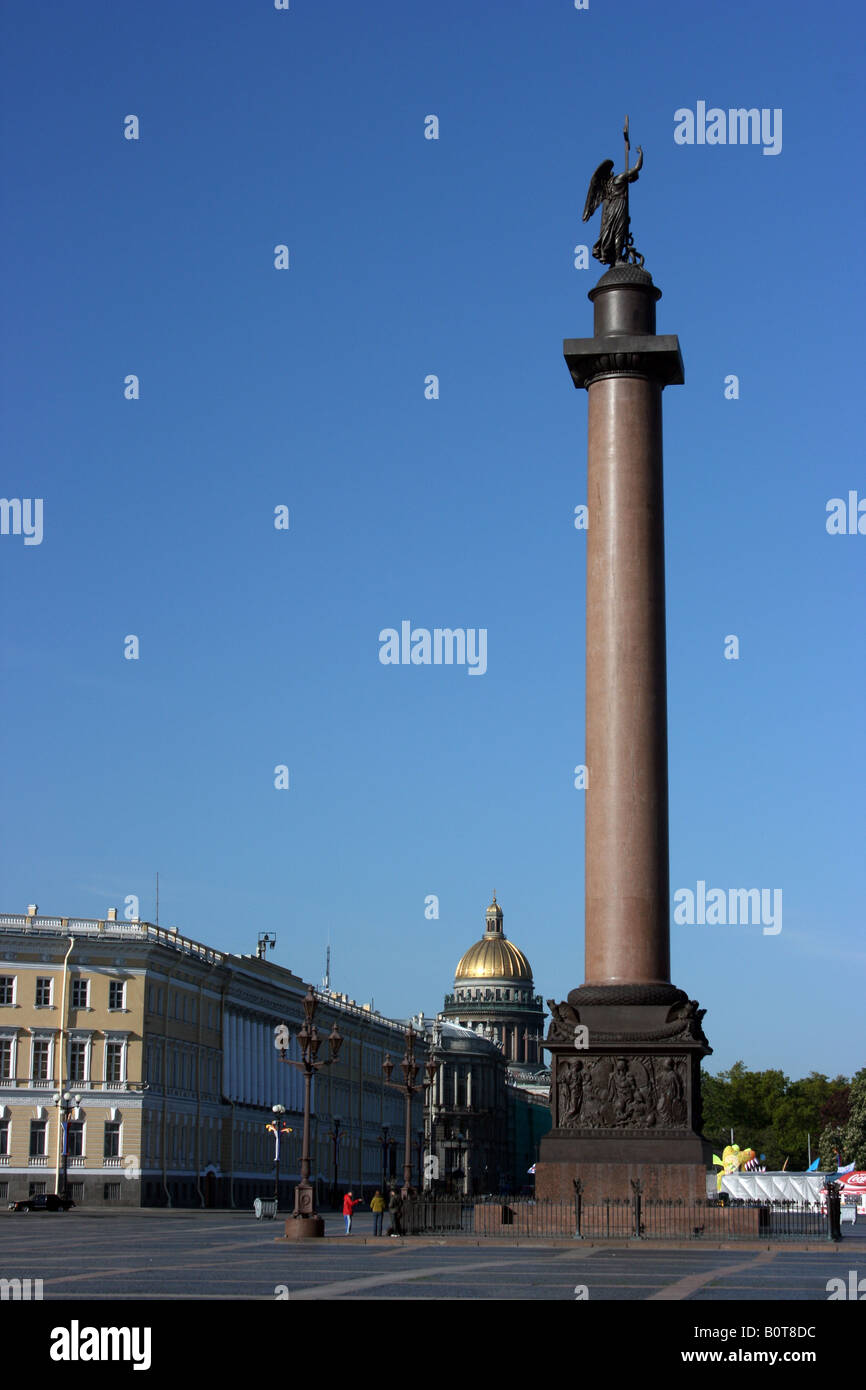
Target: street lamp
[277, 1128]
[305, 1221]
[67, 1103]
[386, 1146]
[409, 1087]
[419, 1145]
[334, 1136]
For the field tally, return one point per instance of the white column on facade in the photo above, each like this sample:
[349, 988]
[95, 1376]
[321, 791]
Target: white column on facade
[469, 1086]
[248, 1060]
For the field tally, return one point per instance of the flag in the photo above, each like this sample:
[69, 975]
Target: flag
[849, 1167]
[813, 1167]
[531, 1170]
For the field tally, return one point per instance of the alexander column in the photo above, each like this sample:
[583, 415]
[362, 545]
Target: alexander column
[626, 1047]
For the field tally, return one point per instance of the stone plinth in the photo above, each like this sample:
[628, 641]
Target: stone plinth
[304, 1227]
[625, 1095]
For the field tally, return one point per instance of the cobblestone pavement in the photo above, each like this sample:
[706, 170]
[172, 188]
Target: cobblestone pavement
[229, 1255]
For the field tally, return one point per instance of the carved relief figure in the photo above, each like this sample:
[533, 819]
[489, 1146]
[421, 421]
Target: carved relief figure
[671, 1103]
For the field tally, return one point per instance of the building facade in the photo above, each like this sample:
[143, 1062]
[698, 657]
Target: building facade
[138, 1066]
[490, 1104]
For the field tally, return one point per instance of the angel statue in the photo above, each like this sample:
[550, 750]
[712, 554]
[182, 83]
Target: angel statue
[615, 242]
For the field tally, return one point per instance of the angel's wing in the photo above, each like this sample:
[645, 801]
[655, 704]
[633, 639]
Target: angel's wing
[596, 188]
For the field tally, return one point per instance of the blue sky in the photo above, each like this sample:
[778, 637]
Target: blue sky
[305, 387]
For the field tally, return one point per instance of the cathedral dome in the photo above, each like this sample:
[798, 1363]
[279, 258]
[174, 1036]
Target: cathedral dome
[494, 957]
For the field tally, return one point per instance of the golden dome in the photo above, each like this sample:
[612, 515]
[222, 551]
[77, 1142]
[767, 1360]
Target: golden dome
[493, 957]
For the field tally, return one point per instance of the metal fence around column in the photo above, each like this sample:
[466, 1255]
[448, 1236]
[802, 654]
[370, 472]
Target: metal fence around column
[618, 1218]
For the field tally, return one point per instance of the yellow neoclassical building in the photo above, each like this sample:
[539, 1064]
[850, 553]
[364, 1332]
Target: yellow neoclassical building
[137, 1067]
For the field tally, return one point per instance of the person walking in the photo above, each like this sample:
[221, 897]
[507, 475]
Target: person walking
[377, 1207]
[348, 1207]
[395, 1211]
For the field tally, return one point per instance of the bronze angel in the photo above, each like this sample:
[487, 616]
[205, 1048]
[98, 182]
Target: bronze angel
[615, 242]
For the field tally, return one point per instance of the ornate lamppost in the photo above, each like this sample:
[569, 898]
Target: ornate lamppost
[387, 1145]
[67, 1103]
[419, 1150]
[304, 1221]
[409, 1087]
[278, 1128]
[334, 1136]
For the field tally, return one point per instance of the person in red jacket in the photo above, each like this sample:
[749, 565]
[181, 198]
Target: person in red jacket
[349, 1206]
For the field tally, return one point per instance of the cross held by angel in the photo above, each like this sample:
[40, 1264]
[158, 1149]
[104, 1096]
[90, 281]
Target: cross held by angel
[615, 243]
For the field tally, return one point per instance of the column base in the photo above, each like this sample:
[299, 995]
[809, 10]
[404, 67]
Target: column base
[304, 1227]
[625, 1095]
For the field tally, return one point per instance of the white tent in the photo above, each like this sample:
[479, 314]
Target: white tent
[771, 1187]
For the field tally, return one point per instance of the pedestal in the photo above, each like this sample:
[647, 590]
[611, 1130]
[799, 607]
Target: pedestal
[628, 1105]
[304, 1227]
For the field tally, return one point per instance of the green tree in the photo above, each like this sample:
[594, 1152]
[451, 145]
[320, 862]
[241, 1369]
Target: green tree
[776, 1116]
[849, 1139]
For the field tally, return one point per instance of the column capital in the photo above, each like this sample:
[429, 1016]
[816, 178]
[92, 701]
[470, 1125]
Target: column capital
[656, 357]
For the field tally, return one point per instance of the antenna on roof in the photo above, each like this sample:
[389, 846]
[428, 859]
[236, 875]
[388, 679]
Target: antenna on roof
[157, 900]
[326, 983]
[266, 940]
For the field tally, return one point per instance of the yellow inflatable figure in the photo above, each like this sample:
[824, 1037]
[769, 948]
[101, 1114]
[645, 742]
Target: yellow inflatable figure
[733, 1160]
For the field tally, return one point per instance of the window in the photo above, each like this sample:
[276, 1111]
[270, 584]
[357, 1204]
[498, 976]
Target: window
[7, 989]
[41, 1054]
[4, 1191]
[5, 1059]
[4, 1137]
[75, 1139]
[111, 1191]
[114, 1062]
[78, 1061]
[116, 993]
[111, 1148]
[76, 1192]
[36, 1189]
[38, 1129]
[43, 991]
[80, 994]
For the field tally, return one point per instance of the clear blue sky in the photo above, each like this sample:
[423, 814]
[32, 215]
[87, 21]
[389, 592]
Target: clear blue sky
[305, 387]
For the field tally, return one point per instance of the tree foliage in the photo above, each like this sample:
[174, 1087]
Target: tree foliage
[774, 1115]
[847, 1135]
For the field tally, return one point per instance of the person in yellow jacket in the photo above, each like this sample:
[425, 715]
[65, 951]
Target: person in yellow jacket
[377, 1207]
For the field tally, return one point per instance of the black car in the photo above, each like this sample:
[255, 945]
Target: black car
[46, 1202]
